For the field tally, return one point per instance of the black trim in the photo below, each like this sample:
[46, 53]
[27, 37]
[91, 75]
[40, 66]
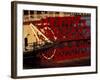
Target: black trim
[53, 4]
[13, 40]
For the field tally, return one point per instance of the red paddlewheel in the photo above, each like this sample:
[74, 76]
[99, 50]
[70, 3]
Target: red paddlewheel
[72, 36]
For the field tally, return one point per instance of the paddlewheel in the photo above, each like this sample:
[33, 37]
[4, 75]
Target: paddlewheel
[62, 41]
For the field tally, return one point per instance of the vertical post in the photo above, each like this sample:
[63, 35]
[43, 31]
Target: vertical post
[35, 15]
[29, 15]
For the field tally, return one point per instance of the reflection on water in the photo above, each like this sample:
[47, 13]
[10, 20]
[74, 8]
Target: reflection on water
[58, 54]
